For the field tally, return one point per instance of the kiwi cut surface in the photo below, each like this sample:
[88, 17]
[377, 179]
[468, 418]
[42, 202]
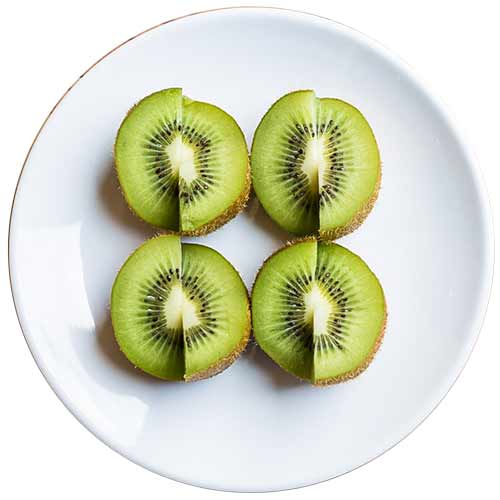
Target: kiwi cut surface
[318, 311]
[315, 165]
[182, 164]
[179, 311]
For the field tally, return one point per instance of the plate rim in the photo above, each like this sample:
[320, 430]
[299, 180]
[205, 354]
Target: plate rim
[450, 122]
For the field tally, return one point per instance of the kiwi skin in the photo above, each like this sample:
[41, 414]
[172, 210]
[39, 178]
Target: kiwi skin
[232, 211]
[344, 377]
[212, 370]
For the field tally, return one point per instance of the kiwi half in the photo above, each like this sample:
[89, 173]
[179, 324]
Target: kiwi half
[315, 165]
[318, 311]
[179, 311]
[182, 164]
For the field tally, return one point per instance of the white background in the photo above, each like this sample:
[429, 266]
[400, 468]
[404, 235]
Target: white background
[44, 47]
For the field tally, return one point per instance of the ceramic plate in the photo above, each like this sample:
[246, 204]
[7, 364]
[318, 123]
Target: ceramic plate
[252, 428]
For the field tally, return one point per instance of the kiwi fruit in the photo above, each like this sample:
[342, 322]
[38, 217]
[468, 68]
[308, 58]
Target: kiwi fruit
[182, 164]
[318, 311]
[315, 165]
[179, 311]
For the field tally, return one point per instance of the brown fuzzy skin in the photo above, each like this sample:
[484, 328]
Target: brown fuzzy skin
[357, 220]
[344, 376]
[228, 360]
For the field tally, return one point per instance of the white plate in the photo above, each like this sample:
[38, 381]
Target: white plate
[252, 428]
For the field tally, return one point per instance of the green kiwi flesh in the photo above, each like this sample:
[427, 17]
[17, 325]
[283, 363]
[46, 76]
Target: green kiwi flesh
[315, 165]
[318, 311]
[182, 164]
[179, 311]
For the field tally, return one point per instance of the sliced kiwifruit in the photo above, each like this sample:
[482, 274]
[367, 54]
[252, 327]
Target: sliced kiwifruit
[315, 165]
[276, 303]
[179, 311]
[318, 311]
[182, 164]
[146, 308]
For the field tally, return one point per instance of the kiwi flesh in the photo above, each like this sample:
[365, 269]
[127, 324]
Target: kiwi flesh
[315, 165]
[318, 311]
[179, 311]
[182, 164]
